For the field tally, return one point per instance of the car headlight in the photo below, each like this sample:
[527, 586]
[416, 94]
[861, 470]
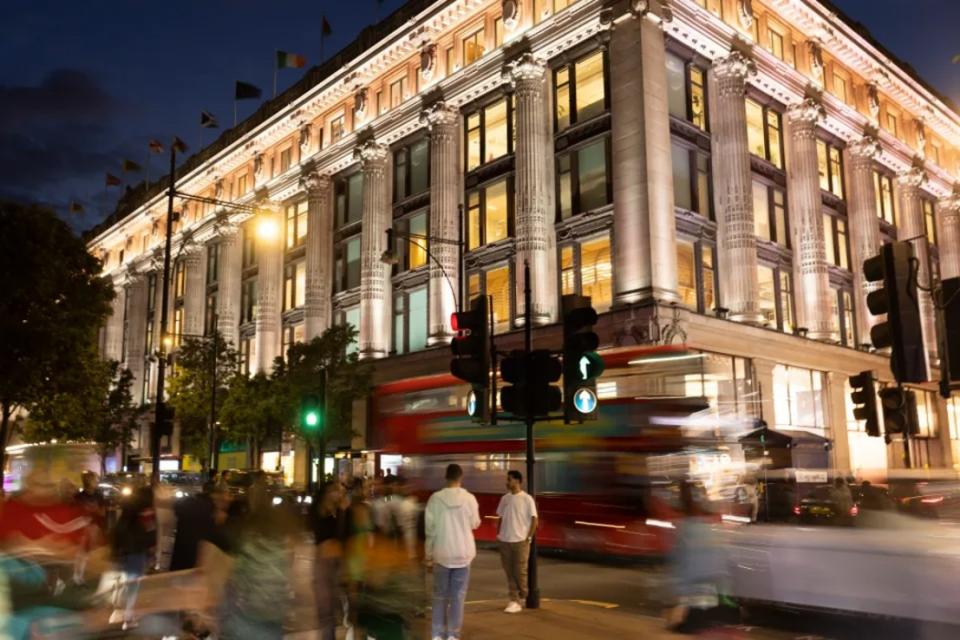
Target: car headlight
[277, 500]
[126, 491]
[179, 494]
[308, 499]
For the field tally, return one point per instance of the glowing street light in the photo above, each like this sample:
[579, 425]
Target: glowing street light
[267, 227]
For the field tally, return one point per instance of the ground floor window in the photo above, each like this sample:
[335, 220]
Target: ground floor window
[494, 282]
[867, 453]
[841, 312]
[292, 334]
[798, 399]
[776, 296]
[585, 269]
[696, 275]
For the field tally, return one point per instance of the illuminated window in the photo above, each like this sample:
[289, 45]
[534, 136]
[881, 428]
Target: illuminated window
[292, 334]
[763, 133]
[841, 307]
[488, 134]
[568, 271]
[179, 280]
[246, 355]
[249, 254]
[799, 399]
[347, 264]
[473, 47]
[337, 130]
[583, 181]
[350, 317]
[786, 302]
[410, 320]
[776, 296]
[686, 93]
[927, 419]
[775, 43]
[835, 240]
[285, 157]
[213, 262]
[248, 300]
[691, 180]
[883, 192]
[596, 279]
[495, 282]
[209, 314]
[349, 199]
[498, 31]
[411, 170]
[687, 274]
[412, 250]
[398, 92]
[935, 153]
[892, 123]
[580, 90]
[541, 9]
[830, 168]
[770, 213]
[241, 185]
[840, 87]
[294, 285]
[767, 294]
[489, 214]
[929, 220]
[177, 327]
[450, 60]
[296, 224]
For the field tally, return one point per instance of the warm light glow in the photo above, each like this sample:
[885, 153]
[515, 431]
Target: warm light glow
[267, 228]
[168, 341]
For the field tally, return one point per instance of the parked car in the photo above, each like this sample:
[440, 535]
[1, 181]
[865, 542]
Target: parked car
[825, 505]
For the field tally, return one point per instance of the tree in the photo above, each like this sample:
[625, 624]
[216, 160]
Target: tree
[347, 379]
[53, 304]
[256, 409]
[189, 388]
[119, 418]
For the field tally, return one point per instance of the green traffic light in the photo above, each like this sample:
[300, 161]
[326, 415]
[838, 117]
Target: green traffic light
[311, 419]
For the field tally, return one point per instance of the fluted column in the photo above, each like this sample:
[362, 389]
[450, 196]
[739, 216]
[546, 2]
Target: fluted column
[113, 343]
[375, 302]
[732, 188]
[316, 312]
[133, 358]
[194, 291]
[229, 276]
[912, 225]
[806, 217]
[534, 210]
[948, 235]
[269, 280]
[445, 174]
[864, 224]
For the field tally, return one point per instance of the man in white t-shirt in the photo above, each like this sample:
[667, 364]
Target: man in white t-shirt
[518, 523]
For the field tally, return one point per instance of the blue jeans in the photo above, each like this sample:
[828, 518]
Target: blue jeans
[449, 592]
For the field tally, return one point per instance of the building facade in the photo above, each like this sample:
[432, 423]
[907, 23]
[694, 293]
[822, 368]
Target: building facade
[712, 172]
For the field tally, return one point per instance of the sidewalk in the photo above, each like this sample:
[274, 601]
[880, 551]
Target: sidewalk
[555, 620]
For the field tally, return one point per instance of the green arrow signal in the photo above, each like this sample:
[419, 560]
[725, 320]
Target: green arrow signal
[590, 366]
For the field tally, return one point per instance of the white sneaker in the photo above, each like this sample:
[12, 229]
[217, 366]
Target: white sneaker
[513, 607]
[438, 638]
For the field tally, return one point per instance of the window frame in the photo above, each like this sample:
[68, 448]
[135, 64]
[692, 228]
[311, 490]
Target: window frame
[480, 111]
[482, 273]
[403, 156]
[880, 178]
[576, 244]
[765, 110]
[404, 312]
[571, 83]
[482, 189]
[573, 153]
[835, 186]
[771, 188]
[694, 153]
[298, 218]
[477, 36]
[782, 307]
[342, 187]
[700, 245]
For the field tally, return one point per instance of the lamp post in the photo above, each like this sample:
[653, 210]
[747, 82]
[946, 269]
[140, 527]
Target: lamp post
[389, 256]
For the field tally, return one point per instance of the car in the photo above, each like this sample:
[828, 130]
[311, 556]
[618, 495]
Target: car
[824, 505]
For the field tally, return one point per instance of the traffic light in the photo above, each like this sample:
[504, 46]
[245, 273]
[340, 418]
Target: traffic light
[531, 375]
[311, 413]
[471, 351]
[582, 365]
[167, 415]
[899, 411]
[896, 267]
[864, 396]
[951, 322]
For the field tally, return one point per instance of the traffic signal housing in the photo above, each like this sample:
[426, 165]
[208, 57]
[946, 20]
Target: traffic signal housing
[311, 413]
[895, 267]
[950, 301]
[864, 396]
[899, 411]
[582, 365]
[471, 355]
[530, 393]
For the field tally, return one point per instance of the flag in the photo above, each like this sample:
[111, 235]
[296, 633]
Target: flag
[325, 28]
[179, 145]
[113, 181]
[76, 207]
[129, 166]
[247, 91]
[287, 60]
[155, 146]
[208, 120]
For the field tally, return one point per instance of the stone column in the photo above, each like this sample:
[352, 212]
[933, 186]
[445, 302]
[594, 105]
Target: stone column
[375, 302]
[732, 188]
[113, 343]
[534, 208]
[445, 190]
[228, 282]
[269, 281]
[812, 284]
[864, 224]
[153, 348]
[194, 290]
[948, 235]
[316, 311]
[911, 225]
[835, 414]
[644, 229]
[133, 358]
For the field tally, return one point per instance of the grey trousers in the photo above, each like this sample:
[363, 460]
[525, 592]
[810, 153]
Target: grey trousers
[514, 557]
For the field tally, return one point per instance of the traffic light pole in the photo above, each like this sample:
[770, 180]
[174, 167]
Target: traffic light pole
[213, 448]
[533, 590]
[159, 404]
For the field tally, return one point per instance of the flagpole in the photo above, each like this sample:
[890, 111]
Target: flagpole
[321, 39]
[234, 112]
[146, 167]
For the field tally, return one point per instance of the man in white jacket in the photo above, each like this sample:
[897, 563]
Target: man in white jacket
[452, 515]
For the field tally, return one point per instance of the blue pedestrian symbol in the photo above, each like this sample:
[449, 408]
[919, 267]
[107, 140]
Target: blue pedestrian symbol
[585, 400]
[472, 403]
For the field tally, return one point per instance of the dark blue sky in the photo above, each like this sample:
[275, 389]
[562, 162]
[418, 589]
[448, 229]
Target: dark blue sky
[85, 84]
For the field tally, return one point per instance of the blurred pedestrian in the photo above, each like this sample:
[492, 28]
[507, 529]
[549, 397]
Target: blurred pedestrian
[327, 519]
[518, 522]
[91, 500]
[133, 540]
[195, 523]
[258, 590]
[451, 516]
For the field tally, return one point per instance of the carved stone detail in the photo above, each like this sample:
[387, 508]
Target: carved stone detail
[511, 13]
[816, 61]
[428, 60]
[745, 14]
[948, 210]
[873, 101]
[317, 306]
[306, 133]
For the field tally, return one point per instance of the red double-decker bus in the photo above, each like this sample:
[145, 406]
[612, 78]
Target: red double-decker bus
[606, 486]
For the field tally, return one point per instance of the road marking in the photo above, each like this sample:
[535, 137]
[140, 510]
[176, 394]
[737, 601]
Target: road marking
[594, 603]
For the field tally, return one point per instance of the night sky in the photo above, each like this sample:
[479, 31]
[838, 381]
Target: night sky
[84, 85]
